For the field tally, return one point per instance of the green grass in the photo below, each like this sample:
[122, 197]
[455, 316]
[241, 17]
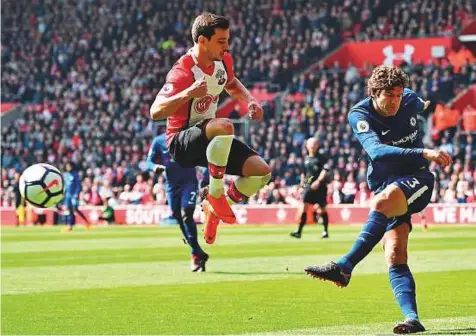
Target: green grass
[136, 280]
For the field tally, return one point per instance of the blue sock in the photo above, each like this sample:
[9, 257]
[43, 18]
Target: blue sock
[403, 286]
[191, 237]
[189, 229]
[370, 235]
[70, 219]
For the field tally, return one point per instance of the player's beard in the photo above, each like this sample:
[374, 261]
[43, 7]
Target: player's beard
[390, 109]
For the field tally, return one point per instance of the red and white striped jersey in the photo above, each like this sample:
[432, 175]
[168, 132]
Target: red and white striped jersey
[182, 75]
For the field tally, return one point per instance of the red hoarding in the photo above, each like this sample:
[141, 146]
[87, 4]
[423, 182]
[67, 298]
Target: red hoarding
[267, 214]
[390, 52]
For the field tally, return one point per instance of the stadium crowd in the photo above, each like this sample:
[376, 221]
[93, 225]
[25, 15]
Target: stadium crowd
[90, 78]
[420, 18]
[108, 46]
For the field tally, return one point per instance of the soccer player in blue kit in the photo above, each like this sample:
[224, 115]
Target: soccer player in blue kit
[72, 189]
[385, 124]
[182, 190]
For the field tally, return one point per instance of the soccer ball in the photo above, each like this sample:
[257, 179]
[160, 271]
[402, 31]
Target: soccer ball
[42, 185]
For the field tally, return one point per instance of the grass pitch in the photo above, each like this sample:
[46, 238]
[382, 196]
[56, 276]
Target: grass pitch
[136, 280]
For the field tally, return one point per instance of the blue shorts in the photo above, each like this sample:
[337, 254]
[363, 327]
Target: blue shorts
[182, 195]
[71, 201]
[417, 189]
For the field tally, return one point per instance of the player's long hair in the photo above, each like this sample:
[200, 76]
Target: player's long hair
[385, 77]
[206, 23]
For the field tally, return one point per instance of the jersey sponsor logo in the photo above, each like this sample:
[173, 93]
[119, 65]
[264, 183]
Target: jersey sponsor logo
[220, 75]
[362, 126]
[409, 138]
[166, 89]
[413, 121]
[203, 104]
[385, 132]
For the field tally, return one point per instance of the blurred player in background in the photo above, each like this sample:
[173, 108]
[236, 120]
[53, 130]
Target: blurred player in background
[315, 188]
[424, 223]
[385, 124]
[108, 215]
[20, 203]
[182, 190]
[195, 137]
[70, 202]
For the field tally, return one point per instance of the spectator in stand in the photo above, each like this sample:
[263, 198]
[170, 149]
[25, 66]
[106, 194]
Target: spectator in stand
[349, 190]
[362, 197]
[418, 18]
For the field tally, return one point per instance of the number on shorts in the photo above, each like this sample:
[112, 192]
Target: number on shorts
[193, 195]
[411, 184]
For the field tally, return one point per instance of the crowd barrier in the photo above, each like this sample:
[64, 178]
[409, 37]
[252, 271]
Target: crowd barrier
[253, 214]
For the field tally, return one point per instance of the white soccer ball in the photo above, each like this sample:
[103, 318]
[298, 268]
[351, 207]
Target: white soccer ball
[42, 185]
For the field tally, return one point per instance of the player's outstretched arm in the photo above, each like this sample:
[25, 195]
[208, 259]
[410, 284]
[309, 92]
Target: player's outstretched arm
[164, 106]
[440, 157]
[154, 167]
[151, 163]
[237, 90]
[376, 150]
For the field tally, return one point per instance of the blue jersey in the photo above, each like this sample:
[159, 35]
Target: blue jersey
[175, 173]
[72, 183]
[393, 144]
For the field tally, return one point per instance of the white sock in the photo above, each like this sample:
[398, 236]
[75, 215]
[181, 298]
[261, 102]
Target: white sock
[247, 186]
[218, 151]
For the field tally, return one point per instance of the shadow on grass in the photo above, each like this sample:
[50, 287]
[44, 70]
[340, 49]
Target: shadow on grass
[460, 331]
[258, 273]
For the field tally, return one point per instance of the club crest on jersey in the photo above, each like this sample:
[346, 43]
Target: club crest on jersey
[362, 126]
[413, 121]
[202, 105]
[220, 75]
[167, 88]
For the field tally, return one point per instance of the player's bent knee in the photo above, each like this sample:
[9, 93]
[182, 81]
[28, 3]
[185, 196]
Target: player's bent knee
[256, 166]
[177, 213]
[380, 204]
[188, 214]
[219, 127]
[391, 202]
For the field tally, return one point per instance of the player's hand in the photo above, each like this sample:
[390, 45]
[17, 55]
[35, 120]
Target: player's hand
[442, 158]
[426, 104]
[315, 185]
[159, 169]
[198, 89]
[255, 110]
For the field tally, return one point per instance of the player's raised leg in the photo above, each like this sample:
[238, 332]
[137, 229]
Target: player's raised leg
[220, 133]
[87, 223]
[391, 202]
[395, 243]
[254, 173]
